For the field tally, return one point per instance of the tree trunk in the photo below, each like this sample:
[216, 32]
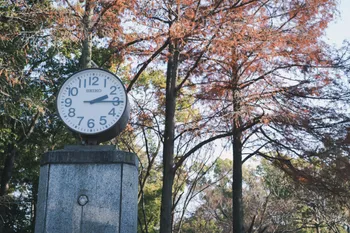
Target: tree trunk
[9, 165]
[237, 199]
[11, 156]
[4, 185]
[7, 170]
[168, 149]
[86, 53]
[317, 228]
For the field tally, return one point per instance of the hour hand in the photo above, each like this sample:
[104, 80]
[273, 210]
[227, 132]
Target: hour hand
[99, 99]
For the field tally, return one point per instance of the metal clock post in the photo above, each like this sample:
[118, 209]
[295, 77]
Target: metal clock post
[82, 188]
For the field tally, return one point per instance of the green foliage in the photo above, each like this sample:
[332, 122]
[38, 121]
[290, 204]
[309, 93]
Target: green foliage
[149, 205]
[152, 79]
[198, 225]
[20, 215]
[276, 182]
[273, 200]
[30, 72]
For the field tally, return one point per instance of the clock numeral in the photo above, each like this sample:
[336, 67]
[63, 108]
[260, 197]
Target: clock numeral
[103, 120]
[71, 112]
[117, 101]
[112, 112]
[79, 82]
[68, 102]
[72, 91]
[113, 92]
[81, 119]
[105, 82]
[91, 123]
[95, 81]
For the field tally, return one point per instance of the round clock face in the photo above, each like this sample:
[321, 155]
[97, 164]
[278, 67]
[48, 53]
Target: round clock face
[91, 101]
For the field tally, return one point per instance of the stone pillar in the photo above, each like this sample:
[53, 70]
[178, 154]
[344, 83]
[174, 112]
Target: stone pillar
[87, 189]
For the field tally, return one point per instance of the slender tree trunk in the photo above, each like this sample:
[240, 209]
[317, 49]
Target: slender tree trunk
[9, 165]
[86, 53]
[317, 228]
[4, 185]
[35, 189]
[7, 170]
[168, 149]
[237, 199]
[11, 156]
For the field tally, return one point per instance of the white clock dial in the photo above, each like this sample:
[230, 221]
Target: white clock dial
[91, 101]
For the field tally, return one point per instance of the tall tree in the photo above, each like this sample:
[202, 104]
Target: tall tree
[181, 26]
[21, 24]
[249, 54]
[92, 24]
[266, 56]
[36, 55]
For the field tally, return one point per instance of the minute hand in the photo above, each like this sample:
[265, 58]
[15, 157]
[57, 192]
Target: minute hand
[111, 101]
[99, 99]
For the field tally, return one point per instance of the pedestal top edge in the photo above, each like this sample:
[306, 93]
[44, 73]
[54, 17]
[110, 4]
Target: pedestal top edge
[89, 154]
[90, 147]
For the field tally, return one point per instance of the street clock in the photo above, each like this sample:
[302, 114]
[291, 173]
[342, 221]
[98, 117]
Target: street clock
[94, 103]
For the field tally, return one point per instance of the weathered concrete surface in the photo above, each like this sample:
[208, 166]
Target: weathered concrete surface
[106, 176]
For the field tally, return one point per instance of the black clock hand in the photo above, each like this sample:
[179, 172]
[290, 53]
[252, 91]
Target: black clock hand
[99, 99]
[115, 100]
[111, 101]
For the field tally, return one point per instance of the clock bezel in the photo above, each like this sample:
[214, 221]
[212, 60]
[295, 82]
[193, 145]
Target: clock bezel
[110, 132]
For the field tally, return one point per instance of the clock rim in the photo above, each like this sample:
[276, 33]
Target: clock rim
[127, 105]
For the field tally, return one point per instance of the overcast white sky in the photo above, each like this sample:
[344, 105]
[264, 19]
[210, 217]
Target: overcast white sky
[339, 30]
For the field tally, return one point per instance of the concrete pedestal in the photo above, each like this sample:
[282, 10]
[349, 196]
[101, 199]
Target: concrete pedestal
[87, 189]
